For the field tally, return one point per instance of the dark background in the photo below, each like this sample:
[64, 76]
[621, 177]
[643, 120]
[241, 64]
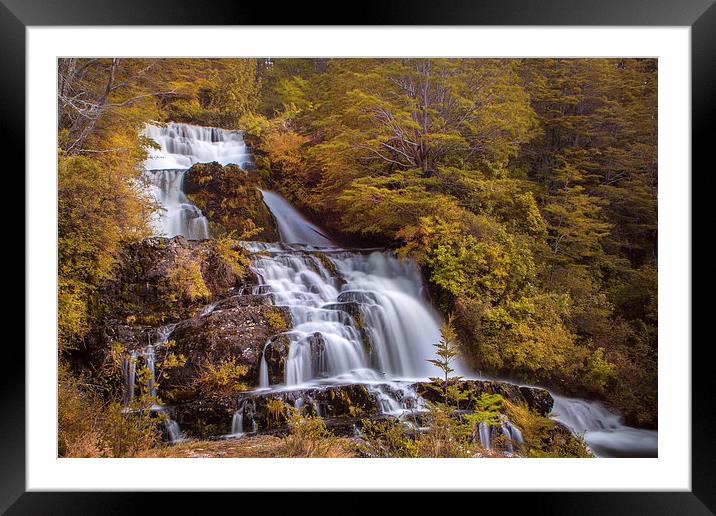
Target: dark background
[15, 15]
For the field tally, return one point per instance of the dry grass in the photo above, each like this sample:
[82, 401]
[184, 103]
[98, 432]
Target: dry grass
[262, 446]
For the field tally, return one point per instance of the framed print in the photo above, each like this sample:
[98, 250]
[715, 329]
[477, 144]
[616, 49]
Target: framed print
[445, 248]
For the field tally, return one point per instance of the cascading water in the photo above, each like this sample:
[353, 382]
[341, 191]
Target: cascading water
[129, 375]
[183, 145]
[180, 147]
[293, 227]
[508, 433]
[326, 295]
[179, 215]
[357, 316]
[603, 430]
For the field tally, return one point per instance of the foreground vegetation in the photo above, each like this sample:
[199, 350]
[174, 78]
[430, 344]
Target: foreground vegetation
[526, 189]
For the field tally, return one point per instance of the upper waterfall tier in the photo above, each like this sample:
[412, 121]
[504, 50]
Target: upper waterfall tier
[178, 216]
[182, 145]
[293, 227]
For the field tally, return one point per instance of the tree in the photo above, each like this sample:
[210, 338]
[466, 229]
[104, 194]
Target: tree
[446, 351]
[414, 114]
[98, 97]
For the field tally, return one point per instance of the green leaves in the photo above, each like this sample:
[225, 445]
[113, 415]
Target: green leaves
[447, 351]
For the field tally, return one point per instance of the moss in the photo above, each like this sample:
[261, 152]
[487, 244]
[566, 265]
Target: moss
[229, 198]
[544, 437]
[327, 263]
[276, 320]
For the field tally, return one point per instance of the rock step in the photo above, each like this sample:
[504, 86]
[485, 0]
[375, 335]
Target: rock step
[342, 406]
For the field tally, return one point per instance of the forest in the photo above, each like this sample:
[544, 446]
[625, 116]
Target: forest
[524, 190]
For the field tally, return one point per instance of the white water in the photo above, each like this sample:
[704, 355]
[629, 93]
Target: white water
[129, 375]
[293, 227]
[326, 345]
[183, 145]
[511, 435]
[179, 216]
[180, 147]
[401, 324]
[603, 430]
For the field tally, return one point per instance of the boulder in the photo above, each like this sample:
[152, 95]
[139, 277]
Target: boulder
[539, 400]
[230, 198]
[276, 353]
[342, 406]
[238, 327]
[144, 287]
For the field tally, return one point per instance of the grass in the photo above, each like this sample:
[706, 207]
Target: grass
[261, 446]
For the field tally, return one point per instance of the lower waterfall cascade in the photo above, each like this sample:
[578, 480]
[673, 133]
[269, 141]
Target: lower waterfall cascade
[603, 430]
[401, 326]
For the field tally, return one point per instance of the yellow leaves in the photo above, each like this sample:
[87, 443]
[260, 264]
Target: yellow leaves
[275, 412]
[186, 278]
[275, 320]
[233, 254]
[255, 124]
[171, 361]
[222, 378]
[99, 207]
[284, 149]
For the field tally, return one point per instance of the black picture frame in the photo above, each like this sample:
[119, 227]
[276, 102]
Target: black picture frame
[700, 15]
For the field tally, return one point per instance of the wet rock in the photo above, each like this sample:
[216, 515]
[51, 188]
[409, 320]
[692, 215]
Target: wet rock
[354, 311]
[535, 398]
[143, 290]
[229, 197]
[96, 347]
[341, 406]
[237, 328]
[276, 353]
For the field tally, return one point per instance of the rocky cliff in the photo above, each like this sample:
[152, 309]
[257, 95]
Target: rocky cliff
[228, 196]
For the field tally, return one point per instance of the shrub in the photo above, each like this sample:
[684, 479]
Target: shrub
[275, 320]
[186, 280]
[90, 427]
[221, 379]
[599, 371]
[233, 254]
[544, 437]
[308, 437]
[388, 438]
[275, 412]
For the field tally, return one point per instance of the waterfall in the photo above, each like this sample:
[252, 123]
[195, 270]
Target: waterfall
[339, 302]
[237, 423]
[183, 145]
[603, 430]
[179, 215]
[129, 375]
[263, 372]
[293, 227]
[180, 147]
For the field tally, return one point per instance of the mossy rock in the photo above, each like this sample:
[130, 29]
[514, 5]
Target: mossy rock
[230, 198]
